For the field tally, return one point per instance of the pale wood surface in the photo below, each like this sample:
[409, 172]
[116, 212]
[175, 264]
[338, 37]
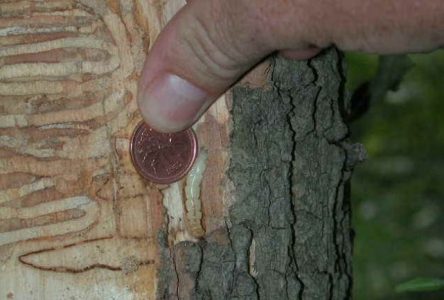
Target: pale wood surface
[76, 220]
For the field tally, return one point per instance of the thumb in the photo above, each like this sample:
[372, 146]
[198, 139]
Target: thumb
[202, 51]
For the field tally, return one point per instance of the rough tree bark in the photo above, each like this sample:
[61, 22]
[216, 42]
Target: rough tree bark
[78, 222]
[288, 232]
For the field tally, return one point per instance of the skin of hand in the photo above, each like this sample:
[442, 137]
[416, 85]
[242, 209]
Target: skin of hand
[210, 44]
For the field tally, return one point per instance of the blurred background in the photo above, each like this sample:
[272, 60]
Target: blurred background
[398, 193]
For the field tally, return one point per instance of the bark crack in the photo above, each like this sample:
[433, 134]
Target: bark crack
[291, 179]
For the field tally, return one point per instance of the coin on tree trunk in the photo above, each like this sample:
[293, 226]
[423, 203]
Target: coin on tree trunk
[162, 157]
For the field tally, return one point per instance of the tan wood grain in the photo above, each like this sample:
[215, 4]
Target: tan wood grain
[76, 220]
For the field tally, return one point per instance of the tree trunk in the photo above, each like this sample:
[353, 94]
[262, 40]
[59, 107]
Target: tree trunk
[287, 233]
[77, 221]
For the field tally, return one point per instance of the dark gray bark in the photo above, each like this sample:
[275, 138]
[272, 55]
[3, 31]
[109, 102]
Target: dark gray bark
[290, 166]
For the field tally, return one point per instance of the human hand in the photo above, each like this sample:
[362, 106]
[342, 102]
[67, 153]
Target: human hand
[210, 44]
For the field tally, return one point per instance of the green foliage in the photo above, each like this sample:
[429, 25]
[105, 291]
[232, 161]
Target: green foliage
[391, 70]
[398, 193]
[420, 285]
[360, 68]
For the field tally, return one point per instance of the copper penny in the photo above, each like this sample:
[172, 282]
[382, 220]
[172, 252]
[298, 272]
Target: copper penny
[162, 157]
